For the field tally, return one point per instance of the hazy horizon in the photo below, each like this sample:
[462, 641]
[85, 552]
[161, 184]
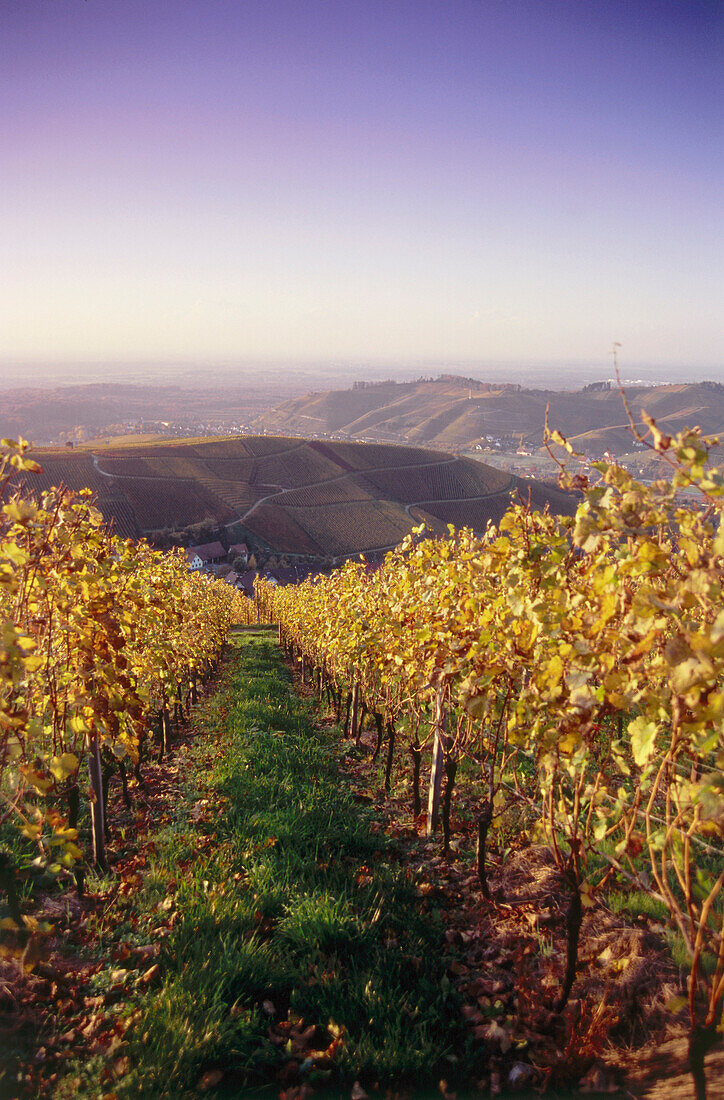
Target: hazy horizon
[302, 375]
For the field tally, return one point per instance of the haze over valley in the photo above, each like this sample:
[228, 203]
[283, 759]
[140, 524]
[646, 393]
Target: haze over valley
[449, 411]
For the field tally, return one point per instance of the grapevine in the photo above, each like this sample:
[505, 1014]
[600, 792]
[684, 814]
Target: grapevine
[579, 662]
[100, 638]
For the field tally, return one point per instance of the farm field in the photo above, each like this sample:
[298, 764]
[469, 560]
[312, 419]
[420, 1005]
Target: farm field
[239, 495]
[277, 527]
[74, 471]
[466, 513]
[376, 455]
[325, 498]
[345, 491]
[452, 480]
[291, 470]
[370, 525]
[179, 503]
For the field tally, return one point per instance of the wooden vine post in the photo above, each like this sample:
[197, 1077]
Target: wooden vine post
[354, 710]
[98, 825]
[437, 770]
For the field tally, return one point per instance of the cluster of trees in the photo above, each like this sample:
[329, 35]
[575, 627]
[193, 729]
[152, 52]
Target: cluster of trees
[102, 642]
[578, 662]
[195, 533]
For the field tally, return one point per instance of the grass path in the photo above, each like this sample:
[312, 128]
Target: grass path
[297, 953]
[276, 926]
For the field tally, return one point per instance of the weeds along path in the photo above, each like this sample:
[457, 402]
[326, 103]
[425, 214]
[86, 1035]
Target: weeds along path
[295, 952]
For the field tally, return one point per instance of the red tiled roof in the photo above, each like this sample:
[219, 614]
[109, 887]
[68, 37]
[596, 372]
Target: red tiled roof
[209, 550]
[246, 581]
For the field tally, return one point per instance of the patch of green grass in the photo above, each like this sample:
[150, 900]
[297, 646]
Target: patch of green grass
[272, 922]
[682, 956]
[635, 903]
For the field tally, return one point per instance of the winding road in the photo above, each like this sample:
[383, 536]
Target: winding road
[281, 491]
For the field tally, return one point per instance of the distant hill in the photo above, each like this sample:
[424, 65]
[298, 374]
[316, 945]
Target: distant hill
[288, 495]
[459, 412]
[87, 411]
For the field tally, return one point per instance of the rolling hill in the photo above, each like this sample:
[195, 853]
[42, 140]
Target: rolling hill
[292, 496]
[459, 412]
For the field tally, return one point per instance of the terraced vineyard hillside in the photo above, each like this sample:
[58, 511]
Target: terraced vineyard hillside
[289, 495]
[458, 412]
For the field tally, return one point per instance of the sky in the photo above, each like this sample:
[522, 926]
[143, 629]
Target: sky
[401, 181]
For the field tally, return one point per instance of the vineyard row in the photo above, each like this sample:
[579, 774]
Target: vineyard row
[575, 666]
[104, 644]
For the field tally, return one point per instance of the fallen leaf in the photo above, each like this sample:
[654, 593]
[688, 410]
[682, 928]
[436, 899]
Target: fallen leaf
[210, 1079]
[494, 1033]
[458, 968]
[148, 975]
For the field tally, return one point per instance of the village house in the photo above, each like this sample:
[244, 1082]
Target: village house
[209, 552]
[238, 550]
[245, 582]
[194, 561]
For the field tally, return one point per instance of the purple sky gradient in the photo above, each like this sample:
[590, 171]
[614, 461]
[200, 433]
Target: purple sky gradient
[371, 179]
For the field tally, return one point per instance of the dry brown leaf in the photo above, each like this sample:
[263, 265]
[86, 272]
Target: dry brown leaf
[148, 975]
[210, 1079]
